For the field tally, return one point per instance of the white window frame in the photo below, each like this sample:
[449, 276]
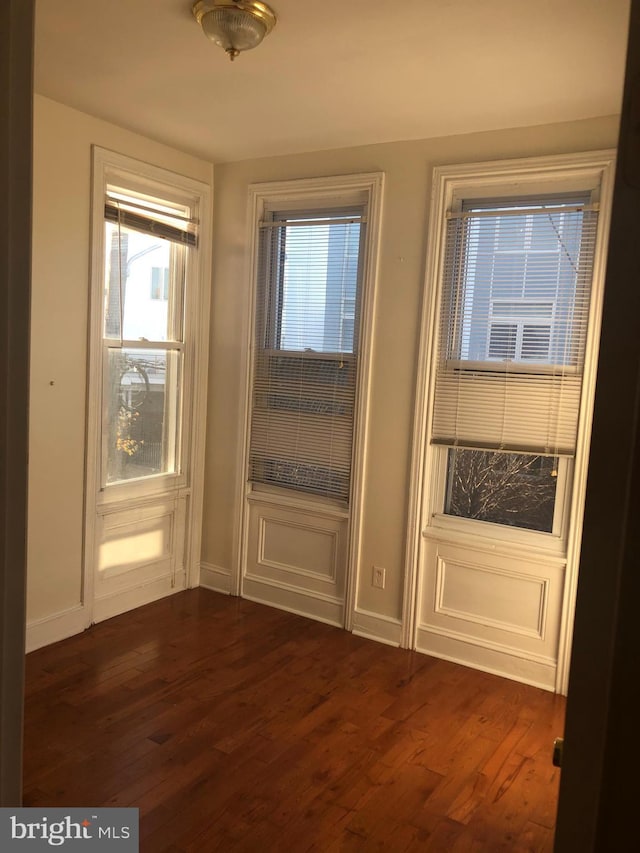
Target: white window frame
[585, 171]
[175, 446]
[472, 530]
[273, 314]
[265, 346]
[304, 194]
[113, 169]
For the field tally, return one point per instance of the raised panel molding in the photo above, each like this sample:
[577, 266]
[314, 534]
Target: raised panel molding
[511, 592]
[292, 538]
[118, 526]
[493, 611]
[136, 545]
[296, 559]
[296, 548]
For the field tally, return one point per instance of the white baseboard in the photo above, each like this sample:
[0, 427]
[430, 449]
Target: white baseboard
[373, 626]
[124, 600]
[530, 669]
[56, 627]
[215, 578]
[312, 605]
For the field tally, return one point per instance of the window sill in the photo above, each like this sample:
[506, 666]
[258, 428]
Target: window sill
[495, 538]
[133, 491]
[296, 500]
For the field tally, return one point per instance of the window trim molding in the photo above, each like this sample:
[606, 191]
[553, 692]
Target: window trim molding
[111, 168]
[295, 194]
[589, 170]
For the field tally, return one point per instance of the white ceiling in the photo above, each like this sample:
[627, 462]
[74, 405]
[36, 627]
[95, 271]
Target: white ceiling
[333, 73]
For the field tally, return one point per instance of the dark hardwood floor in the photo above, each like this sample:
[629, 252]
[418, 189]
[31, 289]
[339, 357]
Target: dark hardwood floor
[236, 727]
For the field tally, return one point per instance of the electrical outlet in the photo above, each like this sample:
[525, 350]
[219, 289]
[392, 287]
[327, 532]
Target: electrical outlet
[379, 577]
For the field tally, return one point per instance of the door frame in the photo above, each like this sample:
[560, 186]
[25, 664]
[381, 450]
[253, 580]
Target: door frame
[16, 132]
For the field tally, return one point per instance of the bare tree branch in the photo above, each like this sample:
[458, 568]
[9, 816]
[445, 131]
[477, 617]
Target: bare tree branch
[505, 488]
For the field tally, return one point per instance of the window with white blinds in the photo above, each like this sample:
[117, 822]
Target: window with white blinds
[150, 217]
[146, 243]
[306, 349]
[516, 289]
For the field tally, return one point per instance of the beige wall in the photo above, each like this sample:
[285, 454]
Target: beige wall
[62, 166]
[62, 162]
[408, 167]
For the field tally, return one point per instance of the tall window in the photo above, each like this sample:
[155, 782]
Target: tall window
[306, 349]
[514, 312]
[146, 241]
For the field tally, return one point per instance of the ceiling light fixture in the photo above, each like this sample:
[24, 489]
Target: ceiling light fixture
[235, 25]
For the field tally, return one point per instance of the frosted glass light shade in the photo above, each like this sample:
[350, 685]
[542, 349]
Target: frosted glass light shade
[233, 29]
[234, 26]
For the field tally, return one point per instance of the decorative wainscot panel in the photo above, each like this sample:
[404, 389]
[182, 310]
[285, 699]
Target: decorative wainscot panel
[140, 554]
[492, 610]
[296, 559]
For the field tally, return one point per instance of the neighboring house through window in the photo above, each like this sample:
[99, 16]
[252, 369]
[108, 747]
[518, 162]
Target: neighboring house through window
[514, 311]
[160, 283]
[306, 354]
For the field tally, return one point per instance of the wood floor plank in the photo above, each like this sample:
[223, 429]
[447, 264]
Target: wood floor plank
[237, 727]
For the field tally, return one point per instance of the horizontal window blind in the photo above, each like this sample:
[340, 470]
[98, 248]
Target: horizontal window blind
[514, 314]
[306, 362]
[149, 220]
